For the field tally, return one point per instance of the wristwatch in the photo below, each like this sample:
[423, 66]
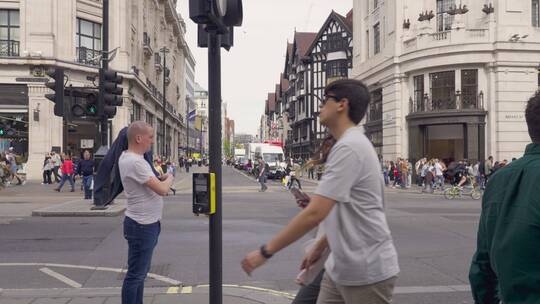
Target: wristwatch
[265, 253]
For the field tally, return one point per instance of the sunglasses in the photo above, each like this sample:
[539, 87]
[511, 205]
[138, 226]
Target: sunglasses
[328, 97]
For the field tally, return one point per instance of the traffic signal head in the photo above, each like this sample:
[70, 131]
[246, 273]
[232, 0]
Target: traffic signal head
[88, 106]
[5, 130]
[221, 13]
[110, 91]
[57, 85]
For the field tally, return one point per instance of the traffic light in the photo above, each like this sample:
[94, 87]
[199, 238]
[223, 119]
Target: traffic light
[88, 106]
[110, 93]
[6, 131]
[221, 13]
[57, 85]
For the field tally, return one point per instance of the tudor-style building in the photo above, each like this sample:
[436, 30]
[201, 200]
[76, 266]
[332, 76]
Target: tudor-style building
[297, 69]
[330, 56]
[313, 61]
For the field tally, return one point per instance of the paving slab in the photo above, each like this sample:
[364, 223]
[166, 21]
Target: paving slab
[81, 207]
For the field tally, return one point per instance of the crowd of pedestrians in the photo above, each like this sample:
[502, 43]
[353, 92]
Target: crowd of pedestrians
[9, 167]
[435, 174]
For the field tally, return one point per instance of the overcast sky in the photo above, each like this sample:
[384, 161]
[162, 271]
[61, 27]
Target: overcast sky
[252, 67]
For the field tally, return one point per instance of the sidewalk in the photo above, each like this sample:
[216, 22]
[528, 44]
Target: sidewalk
[35, 199]
[232, 294]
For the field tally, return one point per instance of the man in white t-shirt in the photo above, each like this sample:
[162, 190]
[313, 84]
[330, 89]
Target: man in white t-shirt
[144, 193]
[439, 176]
[349, 201]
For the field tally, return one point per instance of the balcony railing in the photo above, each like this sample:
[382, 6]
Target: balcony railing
[147, 48]
[9, 48]
[451, 103]
[88, 56]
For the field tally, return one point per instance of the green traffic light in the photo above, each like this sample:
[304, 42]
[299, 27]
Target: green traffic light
[2, 132]
[92, 109]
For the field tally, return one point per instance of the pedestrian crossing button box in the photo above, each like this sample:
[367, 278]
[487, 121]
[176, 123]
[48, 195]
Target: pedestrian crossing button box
[204, 193]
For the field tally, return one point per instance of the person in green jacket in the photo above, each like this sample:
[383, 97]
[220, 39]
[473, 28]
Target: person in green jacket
[506, 265]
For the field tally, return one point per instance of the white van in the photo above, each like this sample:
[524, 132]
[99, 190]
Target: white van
[274, 157]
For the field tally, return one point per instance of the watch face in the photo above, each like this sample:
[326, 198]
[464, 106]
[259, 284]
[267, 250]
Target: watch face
[221, 6]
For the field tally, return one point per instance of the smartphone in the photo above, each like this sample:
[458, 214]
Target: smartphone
[300, 196]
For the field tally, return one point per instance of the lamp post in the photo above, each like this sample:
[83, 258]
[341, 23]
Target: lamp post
[164, 50]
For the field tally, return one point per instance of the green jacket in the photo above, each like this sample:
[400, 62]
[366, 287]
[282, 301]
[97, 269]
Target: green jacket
[506, 265]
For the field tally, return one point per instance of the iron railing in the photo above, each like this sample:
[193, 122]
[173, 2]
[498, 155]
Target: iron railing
[88, 56]
[456, 101]
[9, 48]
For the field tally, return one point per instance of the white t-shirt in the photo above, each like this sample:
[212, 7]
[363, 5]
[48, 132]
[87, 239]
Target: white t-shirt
[362, 250]
[438, 169]
[143, 205]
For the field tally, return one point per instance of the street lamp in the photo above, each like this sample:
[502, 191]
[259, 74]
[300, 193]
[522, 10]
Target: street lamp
[164, 50]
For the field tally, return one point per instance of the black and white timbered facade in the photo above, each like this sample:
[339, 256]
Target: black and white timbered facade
[331, 59]
[313, 61]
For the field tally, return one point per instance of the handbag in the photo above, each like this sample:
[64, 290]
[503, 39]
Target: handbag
[92, 185]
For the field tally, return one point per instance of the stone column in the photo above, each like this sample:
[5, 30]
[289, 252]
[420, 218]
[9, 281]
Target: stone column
[394, 123]
[44, 133]
[472, 142]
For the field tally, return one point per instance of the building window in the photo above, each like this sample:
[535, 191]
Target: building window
[444, 20]
[375, 106]
[336, 68]
[443, 90]
[419, 93]
[334, 42]
[150, 118]
[469, 88]
[9, 33]
[88, 41]
[377, 38]
[367, 43]
[375, 4]
[137, 109]
[536, 13]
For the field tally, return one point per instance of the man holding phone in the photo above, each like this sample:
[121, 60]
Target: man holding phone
[144, 193]
[362, 266]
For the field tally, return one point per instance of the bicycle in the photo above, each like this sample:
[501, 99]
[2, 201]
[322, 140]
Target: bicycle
[457, 191]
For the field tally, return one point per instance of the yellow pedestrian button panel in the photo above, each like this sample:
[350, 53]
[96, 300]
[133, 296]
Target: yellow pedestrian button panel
[204, 193]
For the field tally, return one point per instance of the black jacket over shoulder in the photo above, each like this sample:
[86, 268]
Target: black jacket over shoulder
[107, 182]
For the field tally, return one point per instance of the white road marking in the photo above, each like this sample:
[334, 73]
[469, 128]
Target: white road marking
[95, 268]
[60, 277]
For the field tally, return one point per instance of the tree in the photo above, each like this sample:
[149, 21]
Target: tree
[227, 147]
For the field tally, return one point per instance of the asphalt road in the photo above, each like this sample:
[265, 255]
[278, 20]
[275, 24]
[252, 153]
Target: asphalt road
[435, 240]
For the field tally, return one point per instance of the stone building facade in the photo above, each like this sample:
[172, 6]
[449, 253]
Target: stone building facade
[38, 34]
[451, 78]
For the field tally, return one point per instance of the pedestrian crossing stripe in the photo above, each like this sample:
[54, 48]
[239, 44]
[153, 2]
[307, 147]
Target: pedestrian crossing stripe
[172, 290]
[187, 290]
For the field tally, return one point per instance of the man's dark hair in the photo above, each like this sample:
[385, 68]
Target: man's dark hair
[532, 115]
[356, 92]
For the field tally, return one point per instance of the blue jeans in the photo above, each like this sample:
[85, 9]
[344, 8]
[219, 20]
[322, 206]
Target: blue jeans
[69, 178]
[87, 182]
[142, 239]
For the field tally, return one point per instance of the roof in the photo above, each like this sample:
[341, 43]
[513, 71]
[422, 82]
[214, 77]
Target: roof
[284, 83]
[349, 19]
[303, 40]
[271, 102]
[346, 22]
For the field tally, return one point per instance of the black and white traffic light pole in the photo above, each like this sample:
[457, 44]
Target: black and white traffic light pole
[216, 19]
[57, 85]
[109, 97]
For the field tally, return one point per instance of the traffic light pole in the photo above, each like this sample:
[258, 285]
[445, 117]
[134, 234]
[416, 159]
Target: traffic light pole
[214, 92]
[104, 65]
